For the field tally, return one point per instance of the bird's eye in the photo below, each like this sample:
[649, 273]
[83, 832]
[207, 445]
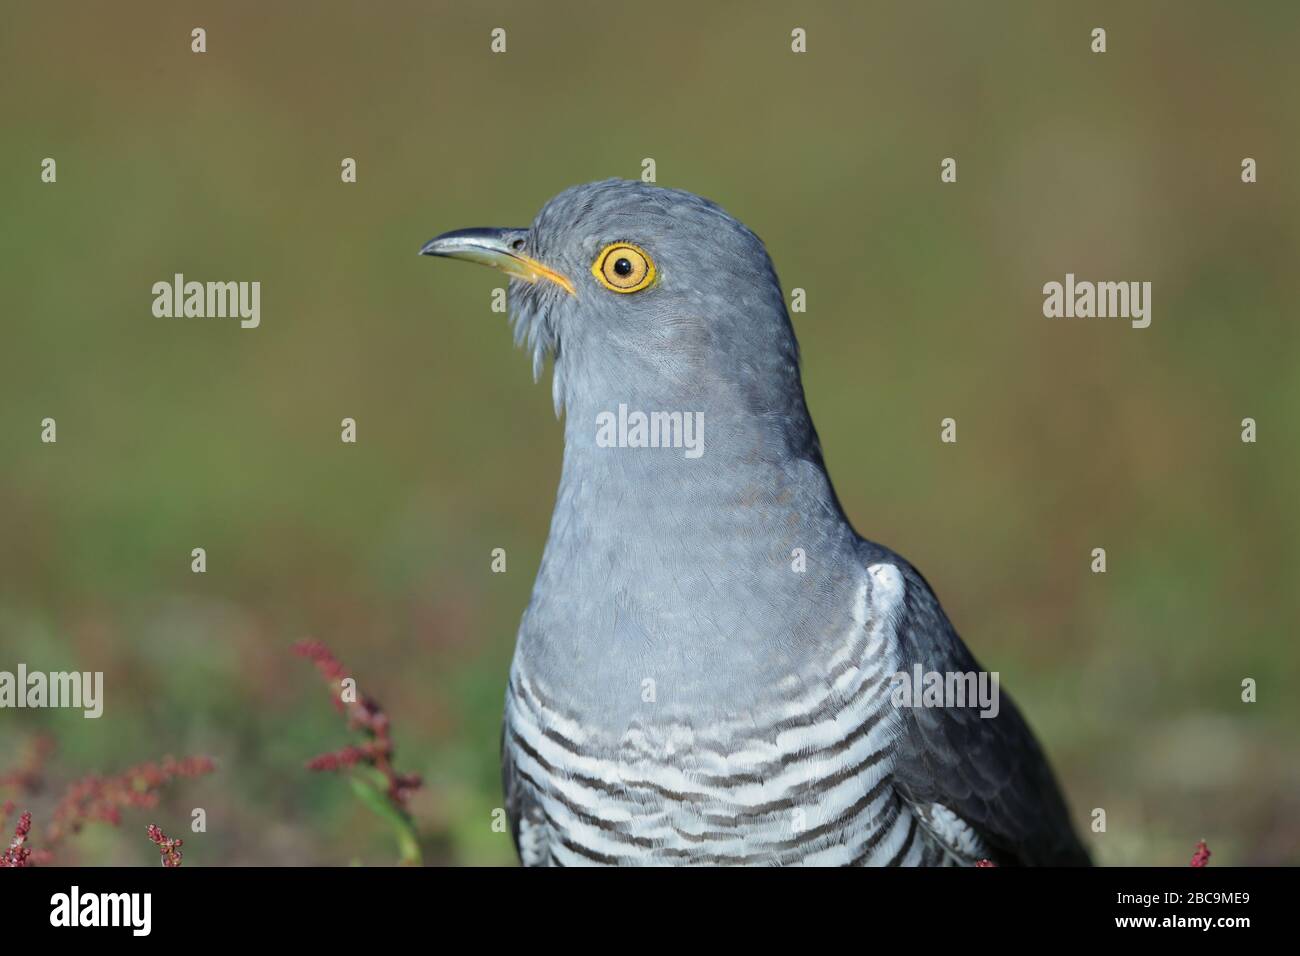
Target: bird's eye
[623, 267]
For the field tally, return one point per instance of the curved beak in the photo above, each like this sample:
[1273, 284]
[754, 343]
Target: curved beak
[498, 248]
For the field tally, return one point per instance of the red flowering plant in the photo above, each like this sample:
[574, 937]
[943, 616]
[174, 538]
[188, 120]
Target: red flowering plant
[170, 849]
[16, 854]
[26, 778]
[368, 764]
[101, 799]
[95, 798]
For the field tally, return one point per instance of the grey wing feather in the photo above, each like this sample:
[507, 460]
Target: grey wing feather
[512, 791]
[990, 771]
[523, 813]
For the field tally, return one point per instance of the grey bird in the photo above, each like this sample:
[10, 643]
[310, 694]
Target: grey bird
[710, 668]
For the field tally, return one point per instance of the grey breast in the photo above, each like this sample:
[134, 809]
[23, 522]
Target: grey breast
[804, 776]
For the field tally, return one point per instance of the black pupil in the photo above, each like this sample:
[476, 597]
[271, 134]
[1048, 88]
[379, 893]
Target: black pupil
[623, 267]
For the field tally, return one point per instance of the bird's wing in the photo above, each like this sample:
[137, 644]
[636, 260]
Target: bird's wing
[986, 772]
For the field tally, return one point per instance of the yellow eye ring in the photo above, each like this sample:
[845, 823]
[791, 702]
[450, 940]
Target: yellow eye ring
[623, 267]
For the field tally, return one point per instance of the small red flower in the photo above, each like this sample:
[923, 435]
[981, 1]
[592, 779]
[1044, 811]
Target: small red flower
[170, 849]
[1202, 855]
[17, 854]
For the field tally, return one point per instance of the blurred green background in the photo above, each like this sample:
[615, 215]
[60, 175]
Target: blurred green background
[924, 301]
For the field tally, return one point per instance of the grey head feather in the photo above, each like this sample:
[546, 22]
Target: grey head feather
[716, 305]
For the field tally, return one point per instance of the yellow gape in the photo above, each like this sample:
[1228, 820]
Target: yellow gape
[623, 267]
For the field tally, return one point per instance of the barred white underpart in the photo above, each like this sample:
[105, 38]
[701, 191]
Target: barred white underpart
[809, 780]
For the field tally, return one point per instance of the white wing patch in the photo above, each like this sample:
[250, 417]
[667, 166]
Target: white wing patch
[953, 833]
[887, 587]
[534, 849]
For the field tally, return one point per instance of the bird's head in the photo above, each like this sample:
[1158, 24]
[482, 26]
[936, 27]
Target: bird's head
[644, 295]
